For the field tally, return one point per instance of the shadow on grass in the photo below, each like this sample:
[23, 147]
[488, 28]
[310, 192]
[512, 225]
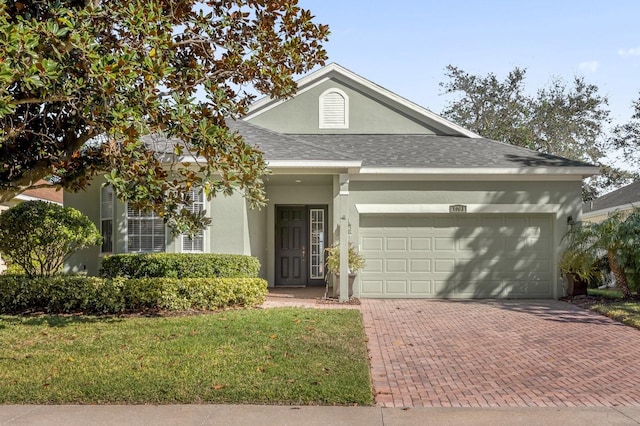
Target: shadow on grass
[54, 320]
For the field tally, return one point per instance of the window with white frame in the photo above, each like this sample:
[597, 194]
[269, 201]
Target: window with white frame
[106, 218]
[316, 230]
[145, 231]
[334, 109]
[195, 243]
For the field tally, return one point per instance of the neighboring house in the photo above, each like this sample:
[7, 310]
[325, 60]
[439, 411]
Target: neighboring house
[623, 199]
[46, 194]
[436, 210]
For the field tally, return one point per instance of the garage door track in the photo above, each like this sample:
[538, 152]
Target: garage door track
[428, 353]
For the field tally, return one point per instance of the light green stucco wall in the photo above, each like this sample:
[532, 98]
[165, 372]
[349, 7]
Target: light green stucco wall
[366, 114]
[88, 202]
[237, 229]
[228, 233]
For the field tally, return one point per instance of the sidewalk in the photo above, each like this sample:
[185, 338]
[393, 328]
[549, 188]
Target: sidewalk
[71, 415]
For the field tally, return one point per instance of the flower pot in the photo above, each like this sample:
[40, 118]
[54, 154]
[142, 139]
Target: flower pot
[576, 286]
[336, 284]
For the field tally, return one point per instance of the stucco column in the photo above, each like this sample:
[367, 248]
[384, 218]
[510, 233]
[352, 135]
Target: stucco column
[344, 237]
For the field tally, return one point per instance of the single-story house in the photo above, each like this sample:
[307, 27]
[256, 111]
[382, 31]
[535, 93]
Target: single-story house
[436, 210]
[623, 199]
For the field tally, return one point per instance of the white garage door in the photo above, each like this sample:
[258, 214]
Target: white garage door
[456, 256]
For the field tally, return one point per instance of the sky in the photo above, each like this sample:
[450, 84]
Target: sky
[404, 46]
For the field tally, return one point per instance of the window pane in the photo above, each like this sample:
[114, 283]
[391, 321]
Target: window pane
[107, 236]
[145, 231]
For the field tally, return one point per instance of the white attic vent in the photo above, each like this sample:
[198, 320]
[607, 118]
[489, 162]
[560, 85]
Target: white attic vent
[334, 109]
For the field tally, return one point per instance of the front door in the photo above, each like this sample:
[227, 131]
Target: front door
[300, 242]
[291, 245]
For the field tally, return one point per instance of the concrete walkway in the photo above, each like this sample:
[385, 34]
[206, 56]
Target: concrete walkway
[250, 415]
[439, 353]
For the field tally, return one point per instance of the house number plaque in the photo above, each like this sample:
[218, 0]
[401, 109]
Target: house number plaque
[458, 208]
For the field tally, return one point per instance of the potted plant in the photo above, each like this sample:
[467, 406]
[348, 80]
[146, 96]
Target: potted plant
[579, 260]
[355, 263]
[579, 268]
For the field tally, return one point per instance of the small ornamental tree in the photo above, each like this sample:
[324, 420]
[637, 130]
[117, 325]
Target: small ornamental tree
[40, 236]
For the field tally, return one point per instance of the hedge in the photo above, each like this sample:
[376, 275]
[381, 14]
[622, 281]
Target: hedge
[179, 265]
[93, 295]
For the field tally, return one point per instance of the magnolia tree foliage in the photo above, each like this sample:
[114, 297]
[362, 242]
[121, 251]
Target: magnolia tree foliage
[564, 119]
[39, 236]
[81, 81]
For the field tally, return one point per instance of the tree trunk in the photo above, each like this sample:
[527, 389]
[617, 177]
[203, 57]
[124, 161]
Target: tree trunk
[618, 273]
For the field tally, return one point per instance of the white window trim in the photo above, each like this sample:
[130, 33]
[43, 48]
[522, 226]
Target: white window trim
[322, 244]
[204, 234]
[103, 218]
[322, 124]
[126, 235]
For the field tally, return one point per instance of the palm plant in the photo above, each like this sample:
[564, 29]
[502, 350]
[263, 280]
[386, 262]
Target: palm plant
[617, 238]
[612, 237]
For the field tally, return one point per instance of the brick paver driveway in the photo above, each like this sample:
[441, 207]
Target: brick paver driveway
[499, 354]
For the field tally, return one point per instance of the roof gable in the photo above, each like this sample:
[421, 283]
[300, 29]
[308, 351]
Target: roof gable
[622, 198]
[372, 109]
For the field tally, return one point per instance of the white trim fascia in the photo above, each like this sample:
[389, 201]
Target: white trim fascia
[315, 164]
[594, 213]
[582, 171]
[444, 208]
[260, 106]
[23, 197]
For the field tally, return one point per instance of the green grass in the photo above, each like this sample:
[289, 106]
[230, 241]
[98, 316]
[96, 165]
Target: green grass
[627, 312]
[272, 356]
[605, 293]
[612, 304]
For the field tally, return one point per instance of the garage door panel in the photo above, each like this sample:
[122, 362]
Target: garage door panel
[444, 244]
[396, 265]
[444, 265]
[372, 287]
[486, 288]
[373, 265]
[396, 244]
[396, 287]
[419, 265]
[420, 287]
[419, 243]
[456, 256]
[372, 243]
[528, 289]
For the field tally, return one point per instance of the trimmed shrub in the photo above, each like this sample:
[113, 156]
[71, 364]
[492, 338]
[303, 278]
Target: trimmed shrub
[179, 294]
[179, 265]
[69, 293]
[61, 294]
[39, 236]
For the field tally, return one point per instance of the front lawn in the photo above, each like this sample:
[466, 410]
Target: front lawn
[271, 356]
[611, 303]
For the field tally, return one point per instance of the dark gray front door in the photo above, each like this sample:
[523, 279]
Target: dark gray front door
[291, 245]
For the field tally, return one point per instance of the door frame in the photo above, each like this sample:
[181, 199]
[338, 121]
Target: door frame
[307, 229]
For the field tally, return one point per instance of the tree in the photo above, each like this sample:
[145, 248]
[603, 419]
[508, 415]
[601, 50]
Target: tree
[82, 81]
[567, 120]
[626, 137]
[39, 236]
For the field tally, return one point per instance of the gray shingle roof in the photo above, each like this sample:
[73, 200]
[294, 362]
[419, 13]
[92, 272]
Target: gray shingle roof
[435, 151]
[278, 146]
[387, 150]
[624, 196]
